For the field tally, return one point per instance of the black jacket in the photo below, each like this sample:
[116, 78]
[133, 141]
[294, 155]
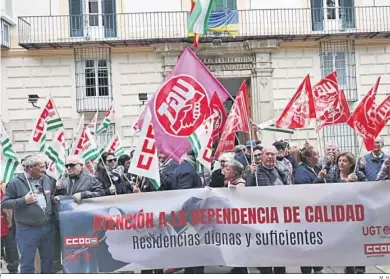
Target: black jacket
[217, 179]
[185, 177]
[265, 177]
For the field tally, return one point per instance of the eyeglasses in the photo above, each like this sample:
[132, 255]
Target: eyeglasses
[257, 155]
[112, 160]
[70, 165]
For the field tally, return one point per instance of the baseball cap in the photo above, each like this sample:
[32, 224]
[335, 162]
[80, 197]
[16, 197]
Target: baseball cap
[250, 143]
[239, 148]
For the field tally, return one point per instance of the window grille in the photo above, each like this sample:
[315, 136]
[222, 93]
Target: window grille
[93, 79]
[103, 139]
[340, 56]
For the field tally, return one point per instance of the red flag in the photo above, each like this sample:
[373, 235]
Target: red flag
[363, 120]
[237, 121]
[182, 102]
[299, 109]
[331, 106]
[219, 111]
[382, 115]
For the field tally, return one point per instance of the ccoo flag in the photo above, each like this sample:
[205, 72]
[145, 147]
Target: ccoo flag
[8, 158]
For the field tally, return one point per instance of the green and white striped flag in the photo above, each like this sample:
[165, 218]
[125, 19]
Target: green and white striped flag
[85, 146]
[48, 120]
[103, 127]
[200, 15]
[201, 142]
[55, 152]
[115, 146]
[8, 159]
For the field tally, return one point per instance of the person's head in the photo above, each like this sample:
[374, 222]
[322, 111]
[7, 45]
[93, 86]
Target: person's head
[309, 156]
[257, 154]
[224, 158]
[346, 162]
[35, 166]
[248, 146]
[233, 170]
[332, 149]
[378, 144]
[190, 152]
[281, 148]
[268, 157]
[124, 161]
[109, 160]
[239, 150]
[74, 165]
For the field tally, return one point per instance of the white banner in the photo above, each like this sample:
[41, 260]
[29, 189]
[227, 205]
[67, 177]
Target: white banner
[345, 224]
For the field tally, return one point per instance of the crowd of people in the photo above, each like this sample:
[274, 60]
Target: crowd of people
[29, 220]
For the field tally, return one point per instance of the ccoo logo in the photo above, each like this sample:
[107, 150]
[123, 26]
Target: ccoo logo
[181, 105]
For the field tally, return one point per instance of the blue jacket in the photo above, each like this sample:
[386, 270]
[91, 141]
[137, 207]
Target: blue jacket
[304, 175]
[185, 177]
[243, 159]
[373, 165]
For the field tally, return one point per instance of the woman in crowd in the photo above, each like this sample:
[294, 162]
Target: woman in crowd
[233, 174]
[346, 172]
[217, 177]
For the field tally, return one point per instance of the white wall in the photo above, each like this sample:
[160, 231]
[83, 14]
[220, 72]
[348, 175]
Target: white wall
[278, 4]
[139, 6]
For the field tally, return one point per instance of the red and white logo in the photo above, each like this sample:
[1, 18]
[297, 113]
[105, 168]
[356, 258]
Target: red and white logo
[181, 105]
[81, 241]
[377, 249]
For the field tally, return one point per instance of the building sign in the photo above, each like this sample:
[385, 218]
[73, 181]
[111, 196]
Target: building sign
[229, 63]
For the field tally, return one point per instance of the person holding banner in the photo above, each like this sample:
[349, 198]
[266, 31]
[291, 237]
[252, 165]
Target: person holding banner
[217, 177]
[268, 174]
[309, 173]
[30, 196]
[78, 184]
[281, 162]
[346, 172]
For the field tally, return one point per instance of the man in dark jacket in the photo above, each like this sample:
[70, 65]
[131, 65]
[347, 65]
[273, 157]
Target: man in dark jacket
[186, 177]
[30, 196]
[80, 185]
[268, 175]
[246, 158]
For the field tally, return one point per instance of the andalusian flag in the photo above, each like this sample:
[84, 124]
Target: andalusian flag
[103, 127]
[115, 146]
[201, 144]
[56, 155]
[199, 18]
[8, 158]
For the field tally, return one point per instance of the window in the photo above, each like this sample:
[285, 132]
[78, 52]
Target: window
[93, 11]
[224, 5]
[340, 56]
[96, 78]
[5, 34]
[332, 15]
[93, 79]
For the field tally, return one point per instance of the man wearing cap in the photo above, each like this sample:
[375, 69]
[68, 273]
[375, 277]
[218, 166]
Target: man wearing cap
[239, 151]
[281, 162]
[246, 158]
[371, 163]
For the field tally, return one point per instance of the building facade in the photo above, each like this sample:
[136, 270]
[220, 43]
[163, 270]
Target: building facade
[87, 53]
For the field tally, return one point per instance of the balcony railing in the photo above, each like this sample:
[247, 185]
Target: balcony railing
[5, 28]
[140, 28]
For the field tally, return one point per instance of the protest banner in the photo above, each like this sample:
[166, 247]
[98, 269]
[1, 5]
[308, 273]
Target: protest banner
[345, 224]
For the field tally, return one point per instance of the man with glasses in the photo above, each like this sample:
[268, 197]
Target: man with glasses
[79, 184]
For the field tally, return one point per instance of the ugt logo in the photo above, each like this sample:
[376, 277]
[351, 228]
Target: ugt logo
[181, 105]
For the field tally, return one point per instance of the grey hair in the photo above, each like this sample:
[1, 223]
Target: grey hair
[237, 167]
[229, 157]
[31, 160]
